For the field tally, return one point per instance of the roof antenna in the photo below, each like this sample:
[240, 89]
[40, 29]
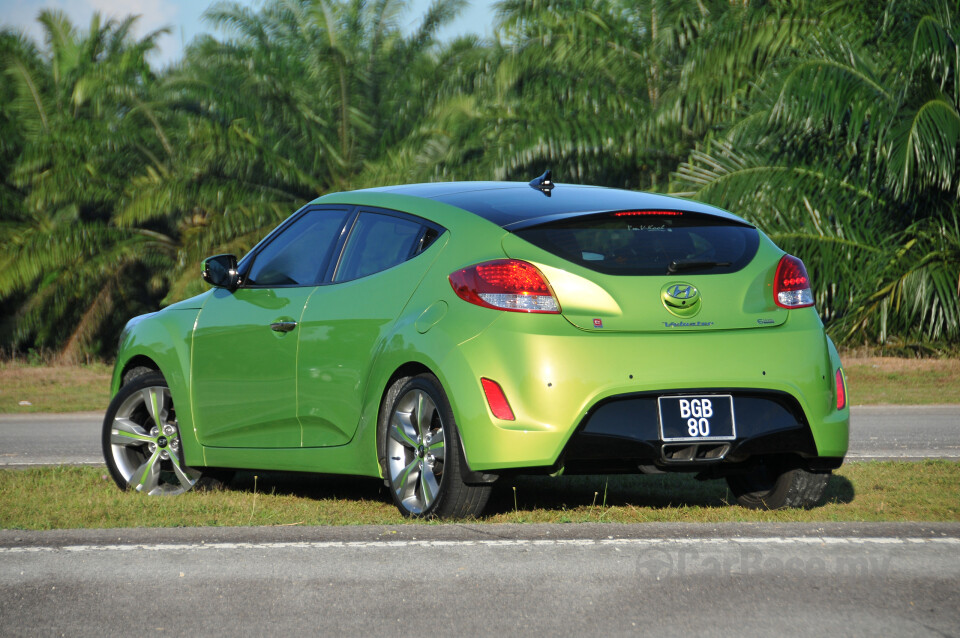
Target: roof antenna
[544, 183]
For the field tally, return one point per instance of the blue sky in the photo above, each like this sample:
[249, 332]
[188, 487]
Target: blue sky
[184, 17]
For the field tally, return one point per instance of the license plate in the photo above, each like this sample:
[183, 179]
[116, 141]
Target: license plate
[697, 418]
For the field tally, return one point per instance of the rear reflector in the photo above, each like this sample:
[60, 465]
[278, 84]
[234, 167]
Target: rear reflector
[505, 284]
[497, 400]
[841, 390]
[791, 285]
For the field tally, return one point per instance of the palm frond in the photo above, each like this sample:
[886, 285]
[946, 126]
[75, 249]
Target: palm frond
[923, 148]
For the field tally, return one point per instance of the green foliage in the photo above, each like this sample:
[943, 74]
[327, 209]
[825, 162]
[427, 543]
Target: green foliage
[834, 126]
[847, 155]
[83, 134]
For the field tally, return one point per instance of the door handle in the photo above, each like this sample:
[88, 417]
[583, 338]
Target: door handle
[283, 326]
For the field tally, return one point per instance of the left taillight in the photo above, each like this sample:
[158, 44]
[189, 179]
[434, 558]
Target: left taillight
[791, 285]
[505, 284]
[841, 390]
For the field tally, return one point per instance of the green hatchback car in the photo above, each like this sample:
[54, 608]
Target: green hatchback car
[440, 336]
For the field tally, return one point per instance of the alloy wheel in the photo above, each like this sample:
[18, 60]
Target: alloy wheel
[415, 451]
[145, 444]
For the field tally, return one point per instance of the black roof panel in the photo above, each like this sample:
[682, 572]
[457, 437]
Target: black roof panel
[516, 204]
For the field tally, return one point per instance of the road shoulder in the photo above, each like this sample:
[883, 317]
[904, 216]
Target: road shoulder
[466, 532]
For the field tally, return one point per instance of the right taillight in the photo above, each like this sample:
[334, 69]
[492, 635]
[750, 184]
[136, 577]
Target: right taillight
[505, 284]
[791, 285]
[841, 390]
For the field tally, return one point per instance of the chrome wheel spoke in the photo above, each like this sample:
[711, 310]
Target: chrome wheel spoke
[428, 485]
[127, 433]
[153, 399]
[406, 484]
[146, 478]
[183, 474]
[402, 430]
[425, 412]
[436, 445]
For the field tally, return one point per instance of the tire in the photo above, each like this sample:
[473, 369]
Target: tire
[420, 453]
[133, 373]
[141, 441]
[770, 487]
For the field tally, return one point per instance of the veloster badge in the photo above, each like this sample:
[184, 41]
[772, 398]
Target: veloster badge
[681, 299]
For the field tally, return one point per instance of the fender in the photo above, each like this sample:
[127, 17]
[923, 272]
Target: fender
[166, 341]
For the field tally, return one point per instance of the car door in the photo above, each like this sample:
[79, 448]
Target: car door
[244, 362]
[345, 321]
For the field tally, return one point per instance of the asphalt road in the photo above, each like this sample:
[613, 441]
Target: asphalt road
[50, 439]
[877, 432]
[904, 432]
[557, 580]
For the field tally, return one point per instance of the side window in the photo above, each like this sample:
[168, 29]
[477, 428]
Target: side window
[376, 243]
[297, 255]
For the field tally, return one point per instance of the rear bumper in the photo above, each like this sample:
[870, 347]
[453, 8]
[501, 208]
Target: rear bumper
[622, 434]
[584, 399]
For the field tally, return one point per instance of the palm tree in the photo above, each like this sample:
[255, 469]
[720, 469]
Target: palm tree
[293, 103]
[83, 127]
[603, 91]
[848, 152]
[834, 126]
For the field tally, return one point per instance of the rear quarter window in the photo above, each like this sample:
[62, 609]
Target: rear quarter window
[648, 243]
[378, 242]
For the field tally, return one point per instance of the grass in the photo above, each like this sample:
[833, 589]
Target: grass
[84, 497]
[67, 388]
[872, 380]
[876, 380]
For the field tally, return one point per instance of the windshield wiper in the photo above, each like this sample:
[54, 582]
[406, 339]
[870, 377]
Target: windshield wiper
[676, 265]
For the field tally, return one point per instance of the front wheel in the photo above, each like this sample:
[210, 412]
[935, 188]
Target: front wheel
[770, 487]
[421, 455]
[141, 440]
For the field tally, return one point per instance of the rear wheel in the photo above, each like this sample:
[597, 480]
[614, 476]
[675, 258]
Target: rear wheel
[421, 455]
[141, 441]
[770, 486]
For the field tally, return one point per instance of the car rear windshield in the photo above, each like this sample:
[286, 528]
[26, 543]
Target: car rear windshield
[648, 242]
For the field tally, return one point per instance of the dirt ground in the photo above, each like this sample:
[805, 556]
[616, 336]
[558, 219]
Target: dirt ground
[871, 380]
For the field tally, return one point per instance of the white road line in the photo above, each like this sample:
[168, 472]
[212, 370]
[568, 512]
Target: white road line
[49, 464]
[615, 542]
[855, 456]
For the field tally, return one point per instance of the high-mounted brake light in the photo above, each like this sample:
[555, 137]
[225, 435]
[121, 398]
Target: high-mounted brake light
[642, 213]
[505, 284]
[791, 285]
[497, 400]
[841, 390]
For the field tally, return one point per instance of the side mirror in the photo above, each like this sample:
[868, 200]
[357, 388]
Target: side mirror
[221, 271]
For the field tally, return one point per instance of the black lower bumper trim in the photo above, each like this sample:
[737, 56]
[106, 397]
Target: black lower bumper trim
[623, 432]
